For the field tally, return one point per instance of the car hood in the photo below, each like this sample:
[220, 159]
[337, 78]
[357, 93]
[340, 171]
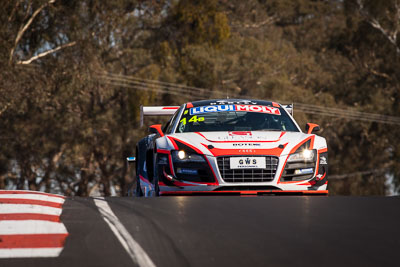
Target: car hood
[247, 136]
[245, 142]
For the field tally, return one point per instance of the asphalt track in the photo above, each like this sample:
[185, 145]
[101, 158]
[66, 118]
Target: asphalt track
[234, 231]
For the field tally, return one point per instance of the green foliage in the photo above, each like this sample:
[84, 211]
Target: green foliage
[198, 22]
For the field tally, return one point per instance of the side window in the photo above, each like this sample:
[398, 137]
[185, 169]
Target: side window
[168, 127]
[165, 128]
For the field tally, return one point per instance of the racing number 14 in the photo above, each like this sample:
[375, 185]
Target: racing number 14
[192, 119]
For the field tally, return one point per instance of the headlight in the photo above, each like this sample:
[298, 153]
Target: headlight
[182, 156]
[305, 155]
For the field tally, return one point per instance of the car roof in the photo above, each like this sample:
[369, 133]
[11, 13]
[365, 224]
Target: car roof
[233, 101]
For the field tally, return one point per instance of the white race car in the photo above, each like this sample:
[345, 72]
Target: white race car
[230, 146]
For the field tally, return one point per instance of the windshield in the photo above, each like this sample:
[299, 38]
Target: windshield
[235, 118]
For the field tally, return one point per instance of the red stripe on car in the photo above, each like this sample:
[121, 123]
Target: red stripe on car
[248, 151]
[323, 150]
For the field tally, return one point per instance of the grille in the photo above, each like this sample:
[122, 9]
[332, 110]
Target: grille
[247, 175]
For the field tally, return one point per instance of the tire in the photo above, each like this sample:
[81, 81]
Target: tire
[156, 177]
[138, 190]
[156, 187]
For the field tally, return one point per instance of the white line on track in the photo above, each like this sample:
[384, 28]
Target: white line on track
[31, 227]
[28, 208]
[33, 197]
[135, 251]
[29, 252]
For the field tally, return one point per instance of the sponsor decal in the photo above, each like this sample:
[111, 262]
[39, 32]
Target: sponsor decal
[187, 171]
[192, 120]
[304, 171]
[206, 109]
[227, 102]
[246, 145]
[235, 107]
[247, 163]
[247, 151]
[323, 160]
[240, 138]
[243, 133]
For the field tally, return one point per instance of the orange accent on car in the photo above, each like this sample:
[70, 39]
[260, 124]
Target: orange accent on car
[311, 126]
[197, 151]
[312, 142]
[170, 165]
[323, 150]
[291, 152]
[246, 192]
[186, 144]
[308, 183]
[163, 151]
[157, 127]
[173, 142]
[319, 179]
[302, 142]
[249, 151]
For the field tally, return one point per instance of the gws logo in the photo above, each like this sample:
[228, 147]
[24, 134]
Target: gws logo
[247, 161]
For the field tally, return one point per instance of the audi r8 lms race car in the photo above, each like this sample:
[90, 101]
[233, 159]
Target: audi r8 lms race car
[230, 146]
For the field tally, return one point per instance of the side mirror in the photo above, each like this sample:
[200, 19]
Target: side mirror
[312, 127]
[130, 159]
[156, 128]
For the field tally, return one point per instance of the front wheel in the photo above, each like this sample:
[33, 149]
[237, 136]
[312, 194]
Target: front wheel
[138, 191]
[156, 187]
[156, 177]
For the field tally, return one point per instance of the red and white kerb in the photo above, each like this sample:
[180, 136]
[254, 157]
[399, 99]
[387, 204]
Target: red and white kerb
[30, 224]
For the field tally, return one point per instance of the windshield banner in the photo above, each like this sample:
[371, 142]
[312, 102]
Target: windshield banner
[222, 108]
